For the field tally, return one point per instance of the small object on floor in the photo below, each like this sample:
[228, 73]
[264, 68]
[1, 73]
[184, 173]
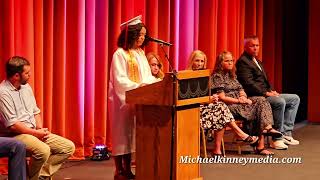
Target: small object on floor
[99, 153]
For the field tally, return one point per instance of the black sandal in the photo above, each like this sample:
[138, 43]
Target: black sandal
[250, 140]
[262, 152]
[273, 134]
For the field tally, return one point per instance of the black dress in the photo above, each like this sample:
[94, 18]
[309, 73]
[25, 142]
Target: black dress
[260, 109]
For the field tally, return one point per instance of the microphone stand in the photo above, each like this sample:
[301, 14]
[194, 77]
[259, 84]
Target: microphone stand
[174, 77]
[167, 57]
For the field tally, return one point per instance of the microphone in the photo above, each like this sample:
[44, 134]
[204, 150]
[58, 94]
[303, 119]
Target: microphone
[158, 41]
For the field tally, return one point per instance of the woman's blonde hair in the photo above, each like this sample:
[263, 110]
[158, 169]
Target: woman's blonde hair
[193, 55]
[152, 55]
[219, 68]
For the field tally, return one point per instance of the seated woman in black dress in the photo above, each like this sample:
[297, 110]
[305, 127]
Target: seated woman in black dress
[256, 109]
[216, 115]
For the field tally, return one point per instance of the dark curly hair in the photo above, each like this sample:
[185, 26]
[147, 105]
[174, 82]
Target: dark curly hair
[132, 32]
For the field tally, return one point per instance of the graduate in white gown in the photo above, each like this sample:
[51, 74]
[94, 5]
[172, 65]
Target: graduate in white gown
[129, 70]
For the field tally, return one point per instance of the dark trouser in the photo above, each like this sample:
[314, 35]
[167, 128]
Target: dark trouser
[16, 152]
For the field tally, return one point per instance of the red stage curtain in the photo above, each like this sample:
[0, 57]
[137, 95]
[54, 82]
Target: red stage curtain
[70, 46]
[272, 41]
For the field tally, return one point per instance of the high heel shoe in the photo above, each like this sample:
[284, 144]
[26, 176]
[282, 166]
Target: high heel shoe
[274, 134]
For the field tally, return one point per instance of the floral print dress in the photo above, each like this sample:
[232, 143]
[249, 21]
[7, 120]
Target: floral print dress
[215, 116]
[260, 109]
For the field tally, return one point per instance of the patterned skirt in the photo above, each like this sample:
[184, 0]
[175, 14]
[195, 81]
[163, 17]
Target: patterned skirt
[215, 116]
[259, 113]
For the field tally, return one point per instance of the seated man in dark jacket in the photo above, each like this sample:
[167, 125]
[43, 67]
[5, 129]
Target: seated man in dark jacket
[251, 75]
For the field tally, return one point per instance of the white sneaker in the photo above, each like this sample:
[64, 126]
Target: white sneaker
[290, 141]
[278, 144]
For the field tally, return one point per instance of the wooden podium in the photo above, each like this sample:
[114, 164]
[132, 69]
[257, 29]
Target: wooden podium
[163, 147]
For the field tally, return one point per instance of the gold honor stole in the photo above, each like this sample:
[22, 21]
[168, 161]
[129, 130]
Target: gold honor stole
[133, 68]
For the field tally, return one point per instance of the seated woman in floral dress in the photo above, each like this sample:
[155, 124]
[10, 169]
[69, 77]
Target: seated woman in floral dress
[216, 115]
[256, 109]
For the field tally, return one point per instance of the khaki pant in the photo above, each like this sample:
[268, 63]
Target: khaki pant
[46, 156]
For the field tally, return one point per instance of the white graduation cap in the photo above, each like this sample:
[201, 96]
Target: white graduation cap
[133, 21]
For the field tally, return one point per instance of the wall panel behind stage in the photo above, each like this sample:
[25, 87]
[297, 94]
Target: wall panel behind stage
[70, 46]
[314, 62]
[295, 52]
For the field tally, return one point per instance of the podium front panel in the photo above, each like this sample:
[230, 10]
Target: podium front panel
[153, 142]
[187, 142]
[176, 100]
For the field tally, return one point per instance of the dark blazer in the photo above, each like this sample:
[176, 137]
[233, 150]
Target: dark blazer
[253, 80]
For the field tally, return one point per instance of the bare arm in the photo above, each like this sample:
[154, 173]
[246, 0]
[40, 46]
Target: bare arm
[231, 100]
[228, 100]
[38, 121]
[20, 128]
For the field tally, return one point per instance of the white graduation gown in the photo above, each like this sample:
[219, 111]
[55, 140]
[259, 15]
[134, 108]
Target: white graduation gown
[121, 114]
